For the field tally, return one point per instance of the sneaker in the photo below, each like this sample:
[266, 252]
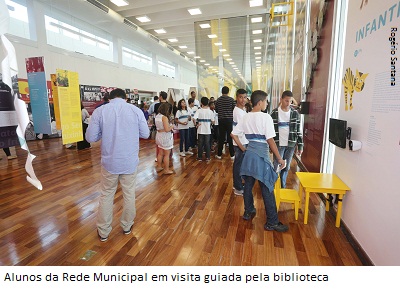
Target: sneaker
[127, 232]
[218, 157]
[199, 159]
[102, 239]
[208, 159]
[189, 153]
[190, 149]
[237, 192]
[249, 215]
[233, 158]
[277, 227]
[223, 150]
[182, 154]
[11, 157]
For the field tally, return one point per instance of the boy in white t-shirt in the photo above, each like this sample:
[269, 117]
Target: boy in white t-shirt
[259, 131]
[288, 133]
[238, 112]
[192, 127]
[205, 118]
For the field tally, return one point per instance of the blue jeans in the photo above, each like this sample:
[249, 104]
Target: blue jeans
[287, 154]
[183, 139]
[268, 197]
[192, 136]
[237, 163]
[203, 144]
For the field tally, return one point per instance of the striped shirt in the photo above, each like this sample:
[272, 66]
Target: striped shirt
[224, 107]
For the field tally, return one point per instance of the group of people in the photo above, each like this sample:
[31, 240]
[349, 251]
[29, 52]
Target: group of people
[250, 133]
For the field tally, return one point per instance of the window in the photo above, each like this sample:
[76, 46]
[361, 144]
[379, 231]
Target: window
[166, 69]
[19, 21]
[72, 38]
[135, 59]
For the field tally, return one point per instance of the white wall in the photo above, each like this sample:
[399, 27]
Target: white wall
[94, 71]
[371, 208]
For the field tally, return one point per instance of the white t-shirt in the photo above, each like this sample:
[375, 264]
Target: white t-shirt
[192, 111]
[204, 117]
[182, 116]
[283, 126]
[216, 118]
[237, 116]
[257, 126]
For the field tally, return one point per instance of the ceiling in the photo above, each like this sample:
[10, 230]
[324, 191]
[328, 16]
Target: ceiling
[230, 20]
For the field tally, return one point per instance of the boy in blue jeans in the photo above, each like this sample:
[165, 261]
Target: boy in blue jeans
[259, 130]
[204, 117]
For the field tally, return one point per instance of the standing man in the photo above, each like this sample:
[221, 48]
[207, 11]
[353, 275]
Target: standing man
[151, 108]
[224, 107]
[119, 126]
[196, 101]
[287, 133]
[238, 113]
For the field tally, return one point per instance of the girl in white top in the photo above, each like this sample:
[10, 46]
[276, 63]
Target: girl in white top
[164, 138]
[182, 118]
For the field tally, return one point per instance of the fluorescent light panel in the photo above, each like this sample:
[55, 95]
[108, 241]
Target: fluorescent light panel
[218, 44]
[160, 31]
[257, 48]
[257, 41]
[183, 47]
[256, 19]
[257, 32]
[143, 18]
[173, 40]
[120, 2]
[212, 36]
[190, 52]
[194, 11]
[255, 3]
[205, 25]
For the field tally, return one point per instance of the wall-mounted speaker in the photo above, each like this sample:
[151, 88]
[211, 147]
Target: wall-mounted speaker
[305, 108]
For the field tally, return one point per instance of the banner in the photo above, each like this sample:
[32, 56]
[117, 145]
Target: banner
[39, 101]
[8, 117]
[9, 71]
[56, 105]
[70, 106]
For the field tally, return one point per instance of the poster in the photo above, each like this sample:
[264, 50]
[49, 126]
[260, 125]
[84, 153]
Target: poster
[70, 106]
[38, 94]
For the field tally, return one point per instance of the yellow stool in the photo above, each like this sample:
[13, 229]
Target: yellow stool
[287, 195]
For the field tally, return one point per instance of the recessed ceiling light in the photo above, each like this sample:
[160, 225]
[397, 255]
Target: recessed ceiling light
[183, 47]
[226, 55]
[255, 3]
[194, 11]
[206, 64]
[205, 25]
[257, 32]
[173, 40]
[120, 2]
[190, 53]
[202, 61]
[258, 61]
[196, 57]
[257, 53]
[258, 57]
[218, 44]
[257, 41]
[231, 63]
[222, 50]
[256, 19]
[257, 48]
[160, 31]
[143, 18]
[212, 36]
[229, 59]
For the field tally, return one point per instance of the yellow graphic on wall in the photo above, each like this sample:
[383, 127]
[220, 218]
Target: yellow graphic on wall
[70, 106]
[54, 89]
[352, 83]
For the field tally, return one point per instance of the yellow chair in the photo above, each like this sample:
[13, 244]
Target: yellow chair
[287, 195]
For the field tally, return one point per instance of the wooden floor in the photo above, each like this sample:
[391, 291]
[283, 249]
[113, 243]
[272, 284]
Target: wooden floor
[191, 218]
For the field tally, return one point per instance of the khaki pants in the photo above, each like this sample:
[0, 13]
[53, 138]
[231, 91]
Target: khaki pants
[109, 184]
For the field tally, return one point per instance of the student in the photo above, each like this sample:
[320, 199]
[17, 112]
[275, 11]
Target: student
[192, 127]
[224, 107]
[84, 144]
[259, 130]
[164, 138]
[287, 133]
[204, 117]
[182, 118]
[238, 112]
[214, 127]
